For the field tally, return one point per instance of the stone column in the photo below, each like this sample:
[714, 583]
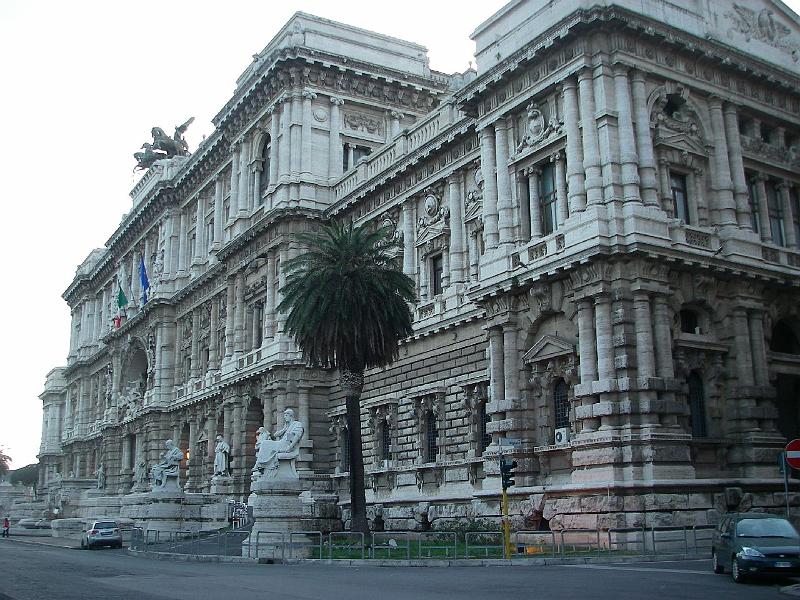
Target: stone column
[306, 155]
[505, 209]
[195, 358]
[722, 171]
[744, 356]
[295, 134]
[135, 281]
[497, 368]
[394, 123]
[303, 392]
[244, 201]
[510, 361]
[280, 317]
[788, 214]
[666, 191]
[763, 208]
[235, 179]
[474, 255]
[736, 166]
[645, 357]
[663, 340]
[488, 170]
[269, 302]
[274, 135]
[455, 202]
[194, 460]
[200, 231]
[644, 142]
[535, 203]
[627, 138]
[562, 209]
[237, 428]
[587, 341]
[182, 243]
[238, 315]
[758, 349]
[284, 154]
[269, 408]
[591, 147]
[256, 168]
[255, 342]
[230, 309]
[409, 266]
[574, 148]
[605, 341]
[218, 224]
[213, 338]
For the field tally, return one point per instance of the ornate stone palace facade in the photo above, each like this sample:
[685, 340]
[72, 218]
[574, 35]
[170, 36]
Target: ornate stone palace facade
[603, 225]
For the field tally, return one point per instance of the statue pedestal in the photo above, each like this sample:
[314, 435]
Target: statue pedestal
[277, 509]
[222, 485]
[169, 510]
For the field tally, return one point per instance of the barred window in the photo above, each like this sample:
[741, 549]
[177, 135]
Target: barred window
[431, 437]
[484, 439]
[561, 404]
[386, 443]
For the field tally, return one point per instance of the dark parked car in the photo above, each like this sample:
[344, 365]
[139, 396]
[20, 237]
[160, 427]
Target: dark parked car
[101, 533]
[756, 544]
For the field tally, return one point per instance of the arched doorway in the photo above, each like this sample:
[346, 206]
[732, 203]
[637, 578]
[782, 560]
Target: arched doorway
[784, 359]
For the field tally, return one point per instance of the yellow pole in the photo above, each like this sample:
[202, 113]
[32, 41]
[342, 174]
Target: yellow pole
[506, 527]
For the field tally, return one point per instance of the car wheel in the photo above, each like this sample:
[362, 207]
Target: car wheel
[718, 568]
[89, 546]
[737, 574]
[83, 544]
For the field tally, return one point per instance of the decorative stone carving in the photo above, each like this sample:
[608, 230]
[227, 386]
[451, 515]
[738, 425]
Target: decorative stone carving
[762, 26]
[275, 458]
[163, 146]
[140, 474]
[164, 475]
[363, 122]
[536, 128]
[100, 474]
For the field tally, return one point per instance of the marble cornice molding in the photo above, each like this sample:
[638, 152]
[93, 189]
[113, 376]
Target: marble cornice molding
[571, 27]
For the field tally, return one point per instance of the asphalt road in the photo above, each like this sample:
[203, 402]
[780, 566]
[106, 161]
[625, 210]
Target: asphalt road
[31, 572]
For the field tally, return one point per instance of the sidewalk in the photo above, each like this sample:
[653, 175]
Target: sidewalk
[42, 540]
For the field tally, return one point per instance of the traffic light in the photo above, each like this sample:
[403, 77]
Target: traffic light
[507, 472]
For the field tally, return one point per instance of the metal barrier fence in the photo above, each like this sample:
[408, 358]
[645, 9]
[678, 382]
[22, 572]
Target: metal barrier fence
[344, 545]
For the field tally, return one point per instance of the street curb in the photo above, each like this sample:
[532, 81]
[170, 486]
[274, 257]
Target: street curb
[37, 543]
[455, 562]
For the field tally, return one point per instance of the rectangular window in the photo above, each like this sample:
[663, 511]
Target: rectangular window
[794, 200]
[547, 198]
[431, 438]
[752, 199]
[484, 438]
[386, 450]
[680, 196]
[352, 154]
[437, 269]
[776, 223]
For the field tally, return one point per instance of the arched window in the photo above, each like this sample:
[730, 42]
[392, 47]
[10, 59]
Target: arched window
[784, 339]
[431, 437]
[561, 404]
[697, 404]
[689, 321]
[265, 164]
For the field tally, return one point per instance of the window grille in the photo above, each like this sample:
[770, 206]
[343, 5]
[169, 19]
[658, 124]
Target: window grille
[561, 404]
[386, 450]
[484, 439]
[431, 437]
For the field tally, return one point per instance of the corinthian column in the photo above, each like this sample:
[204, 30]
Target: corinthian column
[758, 349]
[587, 348]
[488, 169]
[305, 159]
[744, 356]
[722, 171]
[535, 203]
[504, 206]
[627, 138]
[644, 142]
[238, 315]
[497, 370]
[213, 337]
[591, 147]
[408, 238]
[663, 341]
[244, 180]
[736, 165]
[763, 208]
[230, 309]
[788, 214]
[235, 166]
[335, 140]
[575, 174]
[454, 183]
[604, 332]
[645, 359]
[218, 224]
[274, 138]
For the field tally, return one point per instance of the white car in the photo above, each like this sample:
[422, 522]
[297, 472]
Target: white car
[101, 533]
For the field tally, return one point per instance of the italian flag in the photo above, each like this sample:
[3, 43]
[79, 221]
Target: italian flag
[122, 302]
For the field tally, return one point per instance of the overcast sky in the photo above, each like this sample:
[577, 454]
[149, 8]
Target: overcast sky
[82, 84]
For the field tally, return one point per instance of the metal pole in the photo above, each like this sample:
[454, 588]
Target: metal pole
[506, 527]
[785, 471]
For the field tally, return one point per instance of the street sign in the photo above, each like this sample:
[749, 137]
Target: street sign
[793, 454]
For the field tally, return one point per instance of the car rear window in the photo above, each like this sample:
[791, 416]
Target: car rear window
[105, 525]
[766, 528]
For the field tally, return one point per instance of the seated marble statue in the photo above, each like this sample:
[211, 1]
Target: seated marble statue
[168, 467]
[285, 446]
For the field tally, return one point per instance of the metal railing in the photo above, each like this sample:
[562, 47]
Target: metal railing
[407, 545]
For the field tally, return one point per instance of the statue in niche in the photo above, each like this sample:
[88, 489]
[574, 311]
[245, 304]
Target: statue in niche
[166, 472]
[140, 472]
[221, 453]
[101, 477]
[271, 454]
[163, 146]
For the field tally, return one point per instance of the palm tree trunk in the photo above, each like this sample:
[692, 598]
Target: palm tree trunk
[351, 383]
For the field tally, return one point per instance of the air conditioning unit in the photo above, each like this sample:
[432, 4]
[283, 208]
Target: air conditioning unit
[561, 436]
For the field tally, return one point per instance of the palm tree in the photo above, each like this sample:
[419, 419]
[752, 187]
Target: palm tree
[348, 308]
